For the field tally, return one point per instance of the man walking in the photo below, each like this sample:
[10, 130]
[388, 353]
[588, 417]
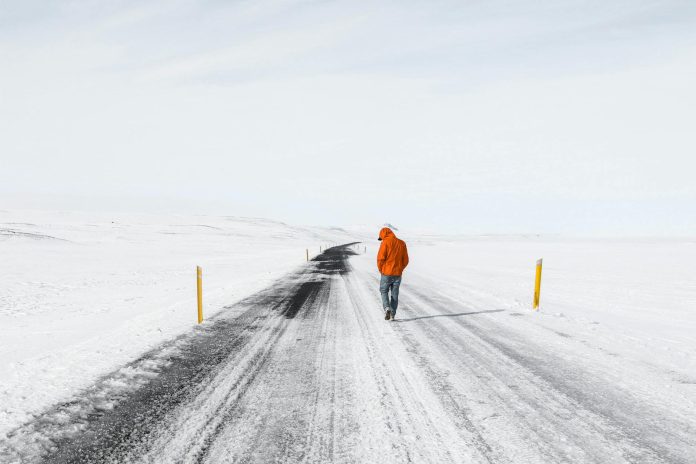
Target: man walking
[392, 259]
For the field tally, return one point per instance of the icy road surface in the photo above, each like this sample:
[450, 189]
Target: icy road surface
[308, 371]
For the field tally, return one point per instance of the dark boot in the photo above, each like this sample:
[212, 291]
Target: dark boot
[387, 315]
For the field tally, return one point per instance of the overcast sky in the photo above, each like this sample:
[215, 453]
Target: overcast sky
[575, 117]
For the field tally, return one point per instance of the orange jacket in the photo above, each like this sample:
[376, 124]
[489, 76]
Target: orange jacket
[392, 257]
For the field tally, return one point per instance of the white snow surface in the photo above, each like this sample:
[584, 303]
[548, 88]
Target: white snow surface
[84, 293]
[636, 297]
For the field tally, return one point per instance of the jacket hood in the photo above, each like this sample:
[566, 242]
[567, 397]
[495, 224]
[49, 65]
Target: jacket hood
[385, 232]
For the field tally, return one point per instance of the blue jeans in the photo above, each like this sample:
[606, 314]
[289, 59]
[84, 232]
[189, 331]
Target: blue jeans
[392, 283]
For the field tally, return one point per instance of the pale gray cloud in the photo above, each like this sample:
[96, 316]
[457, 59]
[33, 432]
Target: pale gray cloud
[440, 112]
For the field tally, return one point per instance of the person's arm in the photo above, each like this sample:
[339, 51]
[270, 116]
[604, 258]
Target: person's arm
[381, 256]
[405, 256]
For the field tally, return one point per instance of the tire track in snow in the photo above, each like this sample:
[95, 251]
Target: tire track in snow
[289, 414]
[307, 297]
[408, 406]
[277, 432]
[611, 415]
[559, 410]
[460, 372]
[447, 392]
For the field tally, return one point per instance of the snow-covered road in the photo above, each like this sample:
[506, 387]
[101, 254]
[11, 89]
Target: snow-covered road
[308, 371]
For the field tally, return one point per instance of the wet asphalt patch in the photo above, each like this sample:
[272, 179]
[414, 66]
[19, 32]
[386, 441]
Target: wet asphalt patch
[332, 261]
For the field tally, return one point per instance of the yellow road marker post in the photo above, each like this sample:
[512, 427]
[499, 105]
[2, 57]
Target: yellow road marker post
[307, 252]
[199, 287]
[537, 284]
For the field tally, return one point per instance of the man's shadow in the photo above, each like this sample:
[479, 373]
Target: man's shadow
[450, 315]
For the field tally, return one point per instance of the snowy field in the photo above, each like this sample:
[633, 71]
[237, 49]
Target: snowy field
[82, 293]
[605, 369]
[636, 297]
